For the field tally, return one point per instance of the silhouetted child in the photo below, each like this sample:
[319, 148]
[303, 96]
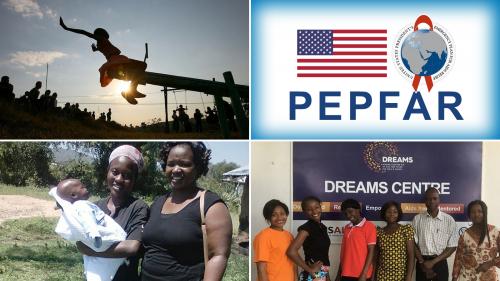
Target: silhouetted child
[197, 119]
[211, 118]
[114, 60]
[175, 121]
[108, 115]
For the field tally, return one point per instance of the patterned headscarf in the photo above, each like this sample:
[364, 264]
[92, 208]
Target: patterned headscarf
[130, 152]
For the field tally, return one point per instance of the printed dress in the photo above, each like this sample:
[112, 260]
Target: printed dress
[392, 259]
[469, 256]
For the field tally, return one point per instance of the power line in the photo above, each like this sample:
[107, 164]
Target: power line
[112, 103]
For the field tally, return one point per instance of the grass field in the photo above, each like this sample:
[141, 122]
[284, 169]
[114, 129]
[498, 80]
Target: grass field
[30, 249]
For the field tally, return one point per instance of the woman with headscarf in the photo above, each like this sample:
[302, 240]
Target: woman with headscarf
[173, 236]
[125, 163]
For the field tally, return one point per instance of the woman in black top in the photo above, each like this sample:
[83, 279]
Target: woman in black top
[130, 213]
[313, 237]
[172, 237]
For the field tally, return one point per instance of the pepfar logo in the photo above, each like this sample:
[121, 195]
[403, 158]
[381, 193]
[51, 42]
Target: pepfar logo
[424, 52]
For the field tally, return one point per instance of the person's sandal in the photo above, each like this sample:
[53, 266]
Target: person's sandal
[129, 98]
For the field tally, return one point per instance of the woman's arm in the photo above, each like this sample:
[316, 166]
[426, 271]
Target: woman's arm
[293, 253]
[262, 271]
[376, 256]
[457, 264]
[368, 262]
[79, 31]
[410, 255]
[219, 232]
[123, 249]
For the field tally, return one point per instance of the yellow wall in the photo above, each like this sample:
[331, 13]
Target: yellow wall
[271, 179]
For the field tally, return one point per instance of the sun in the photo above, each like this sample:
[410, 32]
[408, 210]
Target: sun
[123, 86]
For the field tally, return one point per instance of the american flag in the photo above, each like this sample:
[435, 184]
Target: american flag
[342, 53]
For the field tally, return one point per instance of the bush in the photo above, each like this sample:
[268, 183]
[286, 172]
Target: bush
[25, 163]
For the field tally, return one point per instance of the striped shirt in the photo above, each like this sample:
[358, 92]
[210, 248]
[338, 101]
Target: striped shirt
[434, 235]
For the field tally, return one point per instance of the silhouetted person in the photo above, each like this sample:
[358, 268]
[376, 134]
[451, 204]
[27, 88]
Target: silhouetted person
[210, 116]
[102, 117]
[108, 115]
[184, 118]
[6, 90]
[33, 95]
[53, 101]
[175, 121]
[43, 103]
[35, 92]
[197, 120]
[85, 113]
[187, 124]
[67, 109]
[114, 59]
[228, 110]
[93, 115]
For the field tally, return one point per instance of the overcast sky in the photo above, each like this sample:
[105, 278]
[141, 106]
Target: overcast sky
[192, 38]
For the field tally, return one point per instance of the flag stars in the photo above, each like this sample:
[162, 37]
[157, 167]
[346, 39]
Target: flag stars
[314, 42]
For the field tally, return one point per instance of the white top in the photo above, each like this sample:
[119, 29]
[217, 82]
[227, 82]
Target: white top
[434, 235]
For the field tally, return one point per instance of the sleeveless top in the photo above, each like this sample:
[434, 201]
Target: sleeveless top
[173, 243]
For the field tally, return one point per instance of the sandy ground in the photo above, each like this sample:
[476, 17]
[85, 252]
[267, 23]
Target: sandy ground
[20, 206]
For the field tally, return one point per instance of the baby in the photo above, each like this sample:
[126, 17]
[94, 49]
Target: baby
[89, 214]
[84, 221]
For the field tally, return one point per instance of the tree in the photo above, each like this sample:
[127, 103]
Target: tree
[23, 163]
[226, 190]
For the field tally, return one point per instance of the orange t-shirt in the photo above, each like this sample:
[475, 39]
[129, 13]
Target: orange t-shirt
[355, 248]
[270, 246]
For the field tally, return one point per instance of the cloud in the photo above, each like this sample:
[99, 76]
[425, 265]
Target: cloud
[27, 8]
[50, 13]
[123, 32]
[35, 74]
[32, 58]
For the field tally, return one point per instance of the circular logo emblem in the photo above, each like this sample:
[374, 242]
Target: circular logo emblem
[423, 52]
[374, 152]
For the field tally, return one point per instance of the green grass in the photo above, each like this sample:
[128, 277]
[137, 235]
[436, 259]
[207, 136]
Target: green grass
[30, 249]
[237, 268]
[32, 191]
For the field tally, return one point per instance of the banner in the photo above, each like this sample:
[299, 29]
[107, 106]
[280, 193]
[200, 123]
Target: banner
[376, 172]
[374, 70]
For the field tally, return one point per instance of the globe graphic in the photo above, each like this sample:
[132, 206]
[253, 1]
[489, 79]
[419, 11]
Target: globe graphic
[424, 52]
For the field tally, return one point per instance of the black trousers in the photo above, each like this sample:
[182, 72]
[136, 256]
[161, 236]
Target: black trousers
[441, 270]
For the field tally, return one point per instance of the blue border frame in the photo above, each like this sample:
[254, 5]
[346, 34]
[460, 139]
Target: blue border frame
[257, 98]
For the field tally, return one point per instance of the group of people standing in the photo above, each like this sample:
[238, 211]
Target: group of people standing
[389, 253]
[180, 119]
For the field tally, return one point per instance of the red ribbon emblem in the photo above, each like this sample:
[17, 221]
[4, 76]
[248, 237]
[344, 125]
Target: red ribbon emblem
[428, 79]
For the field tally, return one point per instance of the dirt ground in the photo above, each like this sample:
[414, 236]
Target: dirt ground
[20, 206]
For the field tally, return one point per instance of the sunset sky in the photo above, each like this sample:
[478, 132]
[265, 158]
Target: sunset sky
[192, 38]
